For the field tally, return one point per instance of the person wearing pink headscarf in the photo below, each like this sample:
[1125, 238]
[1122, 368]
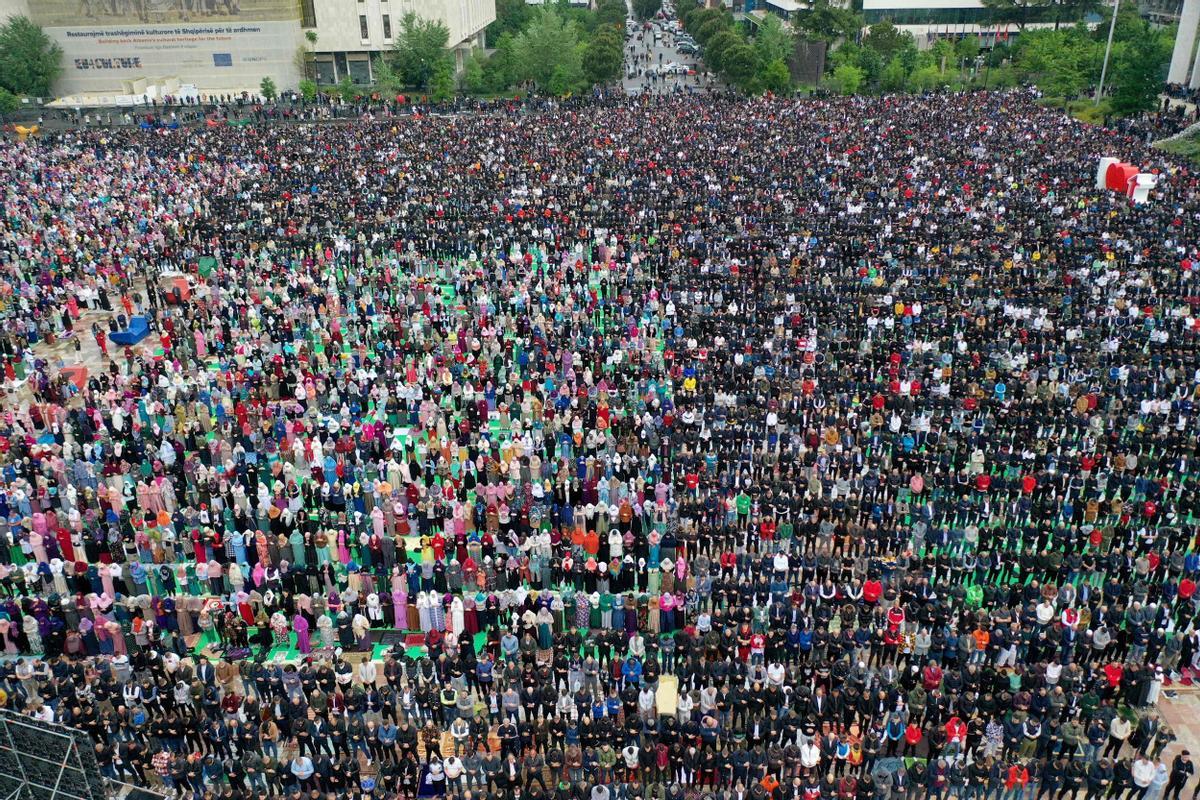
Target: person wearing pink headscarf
[300, 625]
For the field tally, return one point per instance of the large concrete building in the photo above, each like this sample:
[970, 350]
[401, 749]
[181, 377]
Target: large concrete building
[352, 33]
[119, 47]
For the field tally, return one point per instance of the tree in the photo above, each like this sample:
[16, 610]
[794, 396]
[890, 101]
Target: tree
[645, 9]
[773, 42]
[710, 29]
[501, 70]
[308, 90]
[30, 61]
[9, 102]
[1018, 12]
[549, 42]
[386, 77]
[603, 56]
[715, 50]
[563, 81]
[1139, 71]
[848, 78]
[268, 89]
[697, 19]
[420, 49]
[304, 55]
[828, 23]
[740, 65]
[894, 76]
[1075, 10]
[925, 79]
[611, 14]
[885, 39]
[441, 83]
[1062, 63]
[967, 47]
[511, 17]
[472, 77]
[775, 77]
[346, 89]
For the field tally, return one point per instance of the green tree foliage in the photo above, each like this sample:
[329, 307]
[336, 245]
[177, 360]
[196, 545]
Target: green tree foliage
[386, 77]
[268, 89]
[1063, 63]
[308, 90]
[420, 50]
[511, 17]
[441, 83]
[740, 65]
[9, 102]
[472, 77]
[30, 61]
[697, 18]
[611, 13]
[603, 56]
[828, 23]
[501, 70]
[710, 29]
[1018, 12]
[894, 76]
[645, 9]
[565, 79]
[848, 78]
[715, 50]
[775, 77]
[1139, 71]
[925, 79]
[773, 42]
[1072, 11]
[549, 48]
[886, 39]
[967, 47]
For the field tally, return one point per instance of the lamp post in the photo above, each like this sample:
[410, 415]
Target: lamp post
[1112, 26]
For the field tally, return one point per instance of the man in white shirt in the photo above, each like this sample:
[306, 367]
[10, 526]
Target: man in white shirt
[1143, 773]
[453, 767]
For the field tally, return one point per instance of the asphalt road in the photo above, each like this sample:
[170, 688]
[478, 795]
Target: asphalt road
[644, 54]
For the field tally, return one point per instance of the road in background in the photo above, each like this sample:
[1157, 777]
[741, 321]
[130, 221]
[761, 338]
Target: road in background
[646, 55]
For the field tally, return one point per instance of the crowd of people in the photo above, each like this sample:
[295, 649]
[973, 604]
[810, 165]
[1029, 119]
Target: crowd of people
[813, 449]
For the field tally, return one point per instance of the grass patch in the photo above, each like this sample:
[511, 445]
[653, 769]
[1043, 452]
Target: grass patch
[1187, 147]
[1083, 109]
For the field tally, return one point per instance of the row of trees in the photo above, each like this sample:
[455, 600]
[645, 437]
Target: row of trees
[556, 48]
[754, 65]
[1064, 62]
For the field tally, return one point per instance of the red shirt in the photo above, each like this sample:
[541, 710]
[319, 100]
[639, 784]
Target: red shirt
[872, 591]
[1113, 672]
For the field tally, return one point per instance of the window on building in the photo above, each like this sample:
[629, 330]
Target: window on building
[326, 73]
[359, 69]
[362, 26]
[387, 26]
[308, 14]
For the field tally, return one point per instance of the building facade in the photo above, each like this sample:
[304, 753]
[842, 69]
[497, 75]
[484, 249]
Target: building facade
[126, 48]
[352, 34]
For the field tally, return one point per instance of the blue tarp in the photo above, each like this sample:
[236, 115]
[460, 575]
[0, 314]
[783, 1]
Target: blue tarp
[138, 329]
